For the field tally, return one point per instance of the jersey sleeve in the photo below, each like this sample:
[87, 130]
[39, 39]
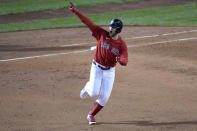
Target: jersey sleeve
[98, 32]
[124, 54]
[93, 27]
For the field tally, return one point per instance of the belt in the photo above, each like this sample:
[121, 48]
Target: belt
[103, 68]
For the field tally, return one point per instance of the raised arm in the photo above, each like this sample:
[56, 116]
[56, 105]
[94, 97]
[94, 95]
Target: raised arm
[82, 17]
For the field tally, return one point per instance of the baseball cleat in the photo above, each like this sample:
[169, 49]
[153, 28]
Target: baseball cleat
[83, 93]
[91, 120]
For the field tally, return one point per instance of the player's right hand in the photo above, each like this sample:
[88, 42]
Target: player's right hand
[72, 7]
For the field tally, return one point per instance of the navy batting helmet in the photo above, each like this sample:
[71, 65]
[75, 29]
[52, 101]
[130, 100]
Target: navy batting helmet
[116, 23]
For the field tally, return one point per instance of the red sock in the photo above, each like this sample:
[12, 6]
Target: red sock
[95, 109]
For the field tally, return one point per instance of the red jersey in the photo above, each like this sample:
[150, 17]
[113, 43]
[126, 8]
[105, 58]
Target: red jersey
[107, 49]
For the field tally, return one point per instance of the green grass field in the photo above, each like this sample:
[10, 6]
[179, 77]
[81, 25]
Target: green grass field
[39, 5]
[166, 16]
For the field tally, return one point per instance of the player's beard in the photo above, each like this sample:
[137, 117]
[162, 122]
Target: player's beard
[112, 34]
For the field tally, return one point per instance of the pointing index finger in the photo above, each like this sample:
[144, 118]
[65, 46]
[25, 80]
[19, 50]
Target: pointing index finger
[71, 3]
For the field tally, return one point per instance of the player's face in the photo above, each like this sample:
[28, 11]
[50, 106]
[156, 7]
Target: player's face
[112, 31]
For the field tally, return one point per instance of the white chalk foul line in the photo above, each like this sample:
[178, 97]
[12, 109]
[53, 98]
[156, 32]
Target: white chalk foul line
[79, 44]
[162, 42]
[47, 55]
[158, 35]
[139, 37]
[81, 51]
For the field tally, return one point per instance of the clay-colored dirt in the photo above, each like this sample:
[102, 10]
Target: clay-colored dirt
[155, 92]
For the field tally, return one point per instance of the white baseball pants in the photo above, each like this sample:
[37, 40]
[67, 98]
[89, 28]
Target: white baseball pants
[100, 83]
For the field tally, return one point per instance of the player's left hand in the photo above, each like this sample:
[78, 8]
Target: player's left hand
[118, 59]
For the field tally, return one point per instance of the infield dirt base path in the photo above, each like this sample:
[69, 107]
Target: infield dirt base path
[156, 91]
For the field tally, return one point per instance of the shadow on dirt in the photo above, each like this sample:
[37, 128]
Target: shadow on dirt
[149, 123]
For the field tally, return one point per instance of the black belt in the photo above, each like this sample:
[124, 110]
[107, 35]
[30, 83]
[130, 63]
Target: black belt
[103, 68]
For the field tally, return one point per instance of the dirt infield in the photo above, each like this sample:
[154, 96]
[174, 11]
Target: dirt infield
[155, 92]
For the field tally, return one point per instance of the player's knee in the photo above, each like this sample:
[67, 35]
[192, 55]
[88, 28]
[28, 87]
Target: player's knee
[93, 93]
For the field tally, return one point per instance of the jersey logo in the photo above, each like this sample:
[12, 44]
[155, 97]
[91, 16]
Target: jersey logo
[115, 51]
[105, 45]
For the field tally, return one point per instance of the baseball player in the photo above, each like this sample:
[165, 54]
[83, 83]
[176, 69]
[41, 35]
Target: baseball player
[110, 49]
